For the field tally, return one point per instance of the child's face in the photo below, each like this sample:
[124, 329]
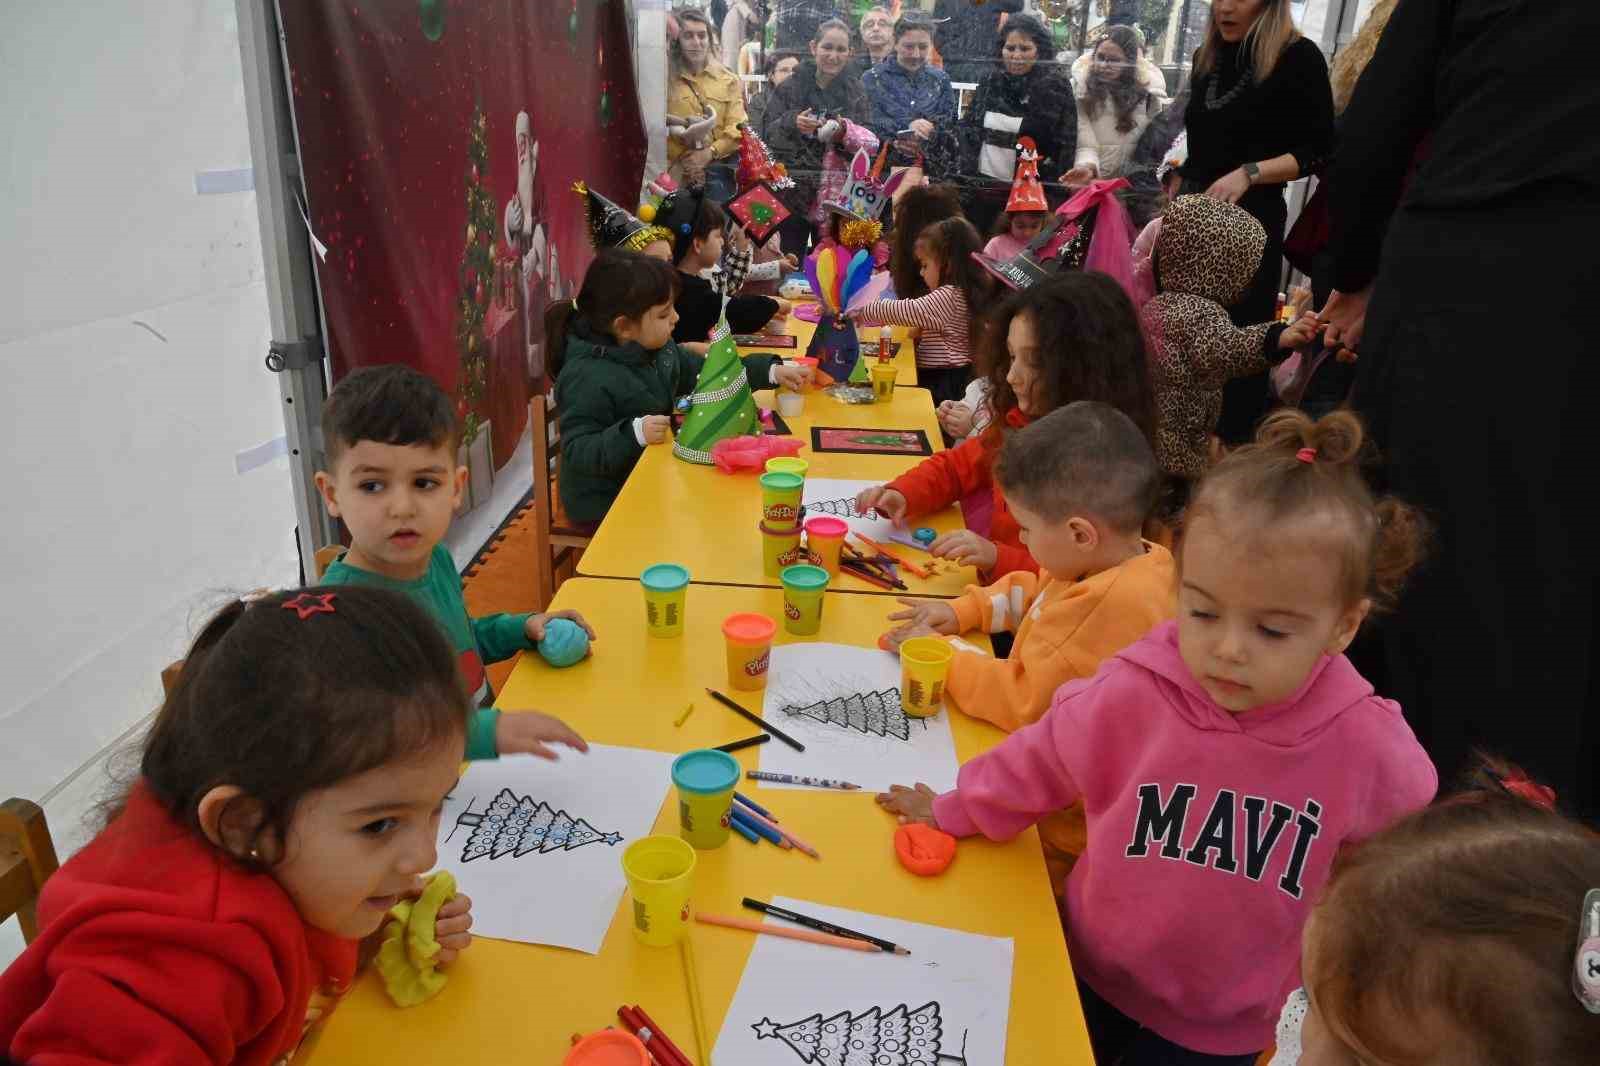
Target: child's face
[927, 267]
[1022, 343]
[707, 251]
[1062, 546]
[353, 849]
[1025, 225]
[1254, 617]
[396, 500]
[650, 330]
[658, 250]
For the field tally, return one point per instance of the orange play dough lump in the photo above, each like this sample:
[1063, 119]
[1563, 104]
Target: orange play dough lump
[924, 850]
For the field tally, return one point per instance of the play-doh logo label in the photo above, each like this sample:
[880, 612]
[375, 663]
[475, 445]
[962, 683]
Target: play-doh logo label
[757, 667]
[792, 556]
[791, 612]
[782, 512]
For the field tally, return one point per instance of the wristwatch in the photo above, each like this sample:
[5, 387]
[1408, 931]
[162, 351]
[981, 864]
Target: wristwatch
[1252, 172]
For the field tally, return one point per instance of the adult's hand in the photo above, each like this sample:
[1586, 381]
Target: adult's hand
[1231, 186]
[806, 122]
[922, 127]
[1345, 316]
[1078, 177]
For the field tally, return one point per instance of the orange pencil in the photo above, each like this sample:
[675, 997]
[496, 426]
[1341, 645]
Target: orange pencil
[775, 827]
[792, 934]
[881, 550]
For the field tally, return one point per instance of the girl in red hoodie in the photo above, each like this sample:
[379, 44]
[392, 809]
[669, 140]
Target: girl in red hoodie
[288, 796]
[1075, 337]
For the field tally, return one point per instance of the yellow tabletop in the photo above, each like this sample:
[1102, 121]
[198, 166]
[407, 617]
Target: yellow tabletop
[905, 360]
[671, 511]
[509, 1002]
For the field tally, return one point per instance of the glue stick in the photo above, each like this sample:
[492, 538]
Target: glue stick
[885, 343]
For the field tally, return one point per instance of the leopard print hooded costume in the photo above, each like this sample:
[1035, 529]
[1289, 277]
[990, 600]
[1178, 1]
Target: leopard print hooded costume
[1205, 257]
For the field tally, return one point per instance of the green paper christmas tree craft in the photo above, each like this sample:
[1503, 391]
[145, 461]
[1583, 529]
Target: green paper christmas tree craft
[721, 405]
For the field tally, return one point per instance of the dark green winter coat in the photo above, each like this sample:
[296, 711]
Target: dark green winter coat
[603, 386]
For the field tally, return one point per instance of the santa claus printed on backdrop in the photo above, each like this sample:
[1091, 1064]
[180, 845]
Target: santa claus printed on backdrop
[524, 232]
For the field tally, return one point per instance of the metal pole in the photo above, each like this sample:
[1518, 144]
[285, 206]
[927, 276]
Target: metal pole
[1182, 55]
[297, 348]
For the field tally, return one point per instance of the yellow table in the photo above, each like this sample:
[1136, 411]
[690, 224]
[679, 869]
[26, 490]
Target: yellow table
[905, 359]
[679, 512]
[509, 1002]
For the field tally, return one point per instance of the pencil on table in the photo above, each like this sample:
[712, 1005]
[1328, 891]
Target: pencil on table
[787, 933]
[790, 837]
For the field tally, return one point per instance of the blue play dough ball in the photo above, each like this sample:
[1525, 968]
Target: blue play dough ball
[564, 642]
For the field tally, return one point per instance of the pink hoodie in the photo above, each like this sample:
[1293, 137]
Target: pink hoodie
[1210, 834]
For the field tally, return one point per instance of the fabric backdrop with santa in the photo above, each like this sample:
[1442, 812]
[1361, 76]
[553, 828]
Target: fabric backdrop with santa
[439, 141]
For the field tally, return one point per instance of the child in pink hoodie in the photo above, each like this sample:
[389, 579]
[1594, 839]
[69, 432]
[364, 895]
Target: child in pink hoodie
[1223, 759]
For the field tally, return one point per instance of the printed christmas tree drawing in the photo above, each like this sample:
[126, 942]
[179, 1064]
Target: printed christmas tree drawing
[877, 713]
[845, 508]
[897, 1037]
[515, 827]
[721, 404]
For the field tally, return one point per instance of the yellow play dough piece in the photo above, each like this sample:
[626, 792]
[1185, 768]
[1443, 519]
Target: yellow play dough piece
[406, 957]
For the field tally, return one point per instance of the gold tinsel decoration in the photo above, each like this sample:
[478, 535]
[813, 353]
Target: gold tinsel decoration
[856, 234]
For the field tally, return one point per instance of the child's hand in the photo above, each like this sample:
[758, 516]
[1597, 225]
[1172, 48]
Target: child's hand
[909, 804]
[791, 377]
[966, 548]
[534, 629]
[897, 636]
[934, 615]
[532, 733]
[1301, 333]
[791, 262]
[784, 307]
[886, 501]
[656, 428]
[450, 930]
[699, 348]
[955, 418]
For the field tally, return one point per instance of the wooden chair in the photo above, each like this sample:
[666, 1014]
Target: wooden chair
[556, 543]
[27, 857]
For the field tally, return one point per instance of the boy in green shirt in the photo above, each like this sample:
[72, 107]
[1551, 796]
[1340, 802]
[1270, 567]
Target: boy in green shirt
[391, 439]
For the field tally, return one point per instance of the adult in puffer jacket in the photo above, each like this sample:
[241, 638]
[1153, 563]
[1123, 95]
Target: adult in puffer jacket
[1207, 253]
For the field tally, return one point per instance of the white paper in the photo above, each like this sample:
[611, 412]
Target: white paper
[843, 704]
[948, 1002]
[834, 496]
[538, 844]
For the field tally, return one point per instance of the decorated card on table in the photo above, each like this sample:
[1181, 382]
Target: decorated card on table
[859, 441]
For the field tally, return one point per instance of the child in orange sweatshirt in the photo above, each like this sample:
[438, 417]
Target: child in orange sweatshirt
[1080, 482]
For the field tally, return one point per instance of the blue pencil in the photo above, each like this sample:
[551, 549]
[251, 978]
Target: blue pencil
[743, 830]
[756, 827]
[754, 806]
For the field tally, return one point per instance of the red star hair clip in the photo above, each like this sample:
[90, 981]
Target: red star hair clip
[307, 604]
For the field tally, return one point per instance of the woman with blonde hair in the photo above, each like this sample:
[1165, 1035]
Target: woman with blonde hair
[1260, 116]
[705, 107]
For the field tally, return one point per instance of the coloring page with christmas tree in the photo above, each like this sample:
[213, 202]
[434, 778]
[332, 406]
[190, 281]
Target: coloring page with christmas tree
[843, 703]
[946, 1004]
[837, 497]
[538, 844]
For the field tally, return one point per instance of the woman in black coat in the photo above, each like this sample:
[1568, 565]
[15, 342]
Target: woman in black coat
[1477, 374]
[1260, 115]
[1027, 94]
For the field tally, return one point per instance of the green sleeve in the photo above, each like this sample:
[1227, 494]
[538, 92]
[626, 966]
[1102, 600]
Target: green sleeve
[758, 369]
[480, 733]
[500, 636]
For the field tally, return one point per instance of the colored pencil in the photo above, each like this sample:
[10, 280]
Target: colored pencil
[860, 574]
[789, 934]
[798, 779]
[757, 719]
[747, 742]
[748, 819]
[754, 806]
[672, 1048]
[788, 836]
[881, 550]
[692, 979]
[823, 927]
[684, 717]
[743, 830]
[661, 1049]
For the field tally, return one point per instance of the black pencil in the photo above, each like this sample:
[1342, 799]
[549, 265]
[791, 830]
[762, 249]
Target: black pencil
[747, 742]
[823, 927]
[757, 719]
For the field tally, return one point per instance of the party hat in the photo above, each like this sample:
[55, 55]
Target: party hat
[610, 226]
[721, 404]
[1026, 192]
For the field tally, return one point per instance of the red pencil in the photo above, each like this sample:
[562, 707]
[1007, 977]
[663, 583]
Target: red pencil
[678, 1058]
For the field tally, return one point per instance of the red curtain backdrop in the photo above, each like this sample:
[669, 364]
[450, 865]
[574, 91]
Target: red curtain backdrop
[386, 96]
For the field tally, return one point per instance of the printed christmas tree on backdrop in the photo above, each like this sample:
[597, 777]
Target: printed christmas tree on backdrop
[871, 1038]
[721, 404]
[517, 826]
[474, 280]
[877, 713]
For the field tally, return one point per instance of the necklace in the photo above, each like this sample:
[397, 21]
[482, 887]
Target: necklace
[1215, 102]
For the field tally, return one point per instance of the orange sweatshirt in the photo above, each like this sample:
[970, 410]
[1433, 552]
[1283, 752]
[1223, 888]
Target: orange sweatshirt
[1064, 629]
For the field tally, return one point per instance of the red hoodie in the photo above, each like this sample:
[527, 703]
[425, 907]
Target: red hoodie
[158, 950]
[942, 479]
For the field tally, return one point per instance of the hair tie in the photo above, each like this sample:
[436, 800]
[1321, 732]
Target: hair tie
[1531, 791]
[309, 603]
[1306, 455]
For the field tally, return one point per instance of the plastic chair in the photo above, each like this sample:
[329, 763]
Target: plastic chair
[27, 858]
[556, 542]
